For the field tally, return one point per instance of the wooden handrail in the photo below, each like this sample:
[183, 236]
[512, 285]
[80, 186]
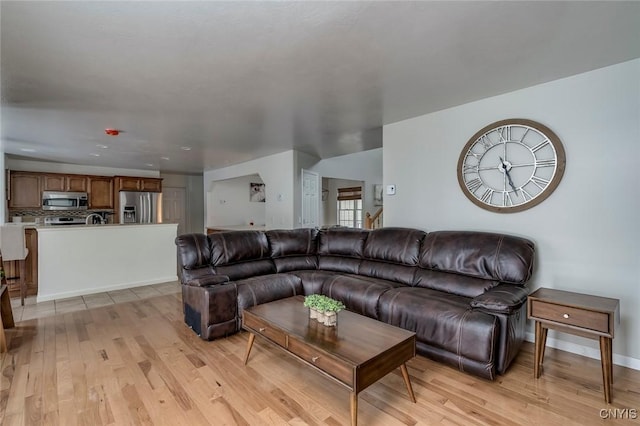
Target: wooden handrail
[373, 222]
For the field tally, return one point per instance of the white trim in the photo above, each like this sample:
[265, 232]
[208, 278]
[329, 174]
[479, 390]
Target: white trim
[589, 352]
[93, 290]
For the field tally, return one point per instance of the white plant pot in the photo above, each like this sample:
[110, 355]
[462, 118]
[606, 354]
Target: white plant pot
[330, 319]
[321, 316]
[313, 314]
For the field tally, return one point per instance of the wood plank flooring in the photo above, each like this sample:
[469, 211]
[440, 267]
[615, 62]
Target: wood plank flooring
[136, 363]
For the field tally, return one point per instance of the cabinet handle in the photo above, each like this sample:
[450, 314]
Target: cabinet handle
[314, 358]
[565, 316]
[261, 329]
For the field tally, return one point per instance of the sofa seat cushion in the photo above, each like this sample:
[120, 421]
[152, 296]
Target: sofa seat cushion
[266, 288]
[460, 285]
[387, 271]
[443, 320]
[359, 294]
[312, 281]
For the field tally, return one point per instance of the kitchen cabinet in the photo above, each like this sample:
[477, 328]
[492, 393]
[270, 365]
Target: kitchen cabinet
[60, 182]
[100, 192]
[125, 183]
[12, 269]
[25, 190]
[128, 183]
[151, 185]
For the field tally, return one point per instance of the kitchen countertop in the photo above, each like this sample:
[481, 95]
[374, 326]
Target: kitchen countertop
[42, 227]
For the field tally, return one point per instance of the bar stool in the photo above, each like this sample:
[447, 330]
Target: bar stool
[13, 247]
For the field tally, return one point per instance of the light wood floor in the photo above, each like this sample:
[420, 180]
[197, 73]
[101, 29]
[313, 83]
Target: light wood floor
[137, 363]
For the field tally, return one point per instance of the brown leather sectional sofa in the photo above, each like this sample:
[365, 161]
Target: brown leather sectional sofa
[462, 292]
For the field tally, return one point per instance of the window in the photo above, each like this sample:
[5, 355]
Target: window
[350, 207]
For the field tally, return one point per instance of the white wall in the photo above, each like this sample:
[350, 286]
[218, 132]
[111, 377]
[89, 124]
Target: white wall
[363, 166]
[277, 172]
[587, 233]
[3, 210]
[231, 204]
[74, 261]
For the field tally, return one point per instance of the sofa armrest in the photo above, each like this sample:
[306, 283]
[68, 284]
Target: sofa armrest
[503, 298]
[208, 280]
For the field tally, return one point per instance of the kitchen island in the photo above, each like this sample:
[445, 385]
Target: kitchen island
[80, 260]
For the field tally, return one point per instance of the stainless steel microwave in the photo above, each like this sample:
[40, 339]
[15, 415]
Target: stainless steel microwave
[64, 200]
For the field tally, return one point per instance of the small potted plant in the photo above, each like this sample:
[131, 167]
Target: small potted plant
[323, 308]
[331, 312]
[312, 302]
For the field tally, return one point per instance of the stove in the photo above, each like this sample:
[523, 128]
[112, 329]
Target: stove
[63, 220]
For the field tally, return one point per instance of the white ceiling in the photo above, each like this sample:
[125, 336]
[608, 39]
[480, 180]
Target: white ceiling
[240, 80]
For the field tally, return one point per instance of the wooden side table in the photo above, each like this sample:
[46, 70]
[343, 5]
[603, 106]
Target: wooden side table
[575, 313]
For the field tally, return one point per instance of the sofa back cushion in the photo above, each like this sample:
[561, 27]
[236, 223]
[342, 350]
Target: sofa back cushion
[240, 254]
[341, 249]
[294, 249]
[194, 257]
[193, 251]
[484, 255]
[392, 254]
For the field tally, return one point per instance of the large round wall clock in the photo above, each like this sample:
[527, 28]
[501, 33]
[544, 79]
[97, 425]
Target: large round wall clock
[511, 165]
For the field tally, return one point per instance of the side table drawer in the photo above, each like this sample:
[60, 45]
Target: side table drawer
[264, 329]
[583, 318]
[325, 362]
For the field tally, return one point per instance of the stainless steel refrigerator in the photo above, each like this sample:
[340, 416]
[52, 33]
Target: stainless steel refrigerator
[140, 207]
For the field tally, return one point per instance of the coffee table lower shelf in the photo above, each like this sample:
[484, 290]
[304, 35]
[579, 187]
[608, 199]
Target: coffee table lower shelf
[355, 354]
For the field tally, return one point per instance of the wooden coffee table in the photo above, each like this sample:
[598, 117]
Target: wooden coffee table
[356, 353]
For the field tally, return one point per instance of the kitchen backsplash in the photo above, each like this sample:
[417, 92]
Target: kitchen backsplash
[31, 215]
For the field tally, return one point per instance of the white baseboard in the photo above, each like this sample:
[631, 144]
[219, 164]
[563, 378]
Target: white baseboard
[587, 351]
[93, 290]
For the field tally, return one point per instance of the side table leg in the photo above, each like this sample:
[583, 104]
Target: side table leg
[607, 366]
[249, 346]
[540, 343]
[407, 381]
[354, 408]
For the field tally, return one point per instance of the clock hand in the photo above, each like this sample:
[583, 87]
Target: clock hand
[504, 167]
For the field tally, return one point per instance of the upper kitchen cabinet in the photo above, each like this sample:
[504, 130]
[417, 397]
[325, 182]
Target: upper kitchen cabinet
[128, 183]
[100, 192]
[151, 185]
[60, 182]
[24, 190]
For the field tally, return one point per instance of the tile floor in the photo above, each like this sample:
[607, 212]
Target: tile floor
[32, 309]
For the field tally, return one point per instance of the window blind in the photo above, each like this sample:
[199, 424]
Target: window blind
[352, 193]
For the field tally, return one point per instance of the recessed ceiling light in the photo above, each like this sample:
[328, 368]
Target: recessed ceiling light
[149, 164]
[27, 150]
[185, 148]
[94, 154]
[164, 158]
[102, 146]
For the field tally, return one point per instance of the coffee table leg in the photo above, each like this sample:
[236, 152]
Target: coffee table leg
[249, 345]
[407, 381]
[354, 409]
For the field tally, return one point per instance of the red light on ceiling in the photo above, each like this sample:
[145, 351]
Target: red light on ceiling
[112, 132]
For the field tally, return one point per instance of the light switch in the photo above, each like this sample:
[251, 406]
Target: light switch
[391, 190]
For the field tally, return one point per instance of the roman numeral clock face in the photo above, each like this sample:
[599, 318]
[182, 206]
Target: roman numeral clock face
[511, 165]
